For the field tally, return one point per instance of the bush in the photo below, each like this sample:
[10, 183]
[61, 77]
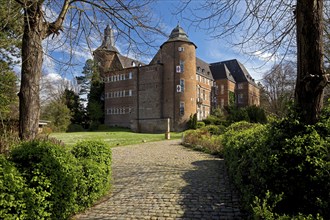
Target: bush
[202, 140]
[94, 125]
[286, 158]
[44, 181]
[103, 127]
[200, 124]
[192, 123]
[51, 173]
[95, 157]
[214, 129]
[212, 120]
[13, 191]
[256, 114]
[75, 128]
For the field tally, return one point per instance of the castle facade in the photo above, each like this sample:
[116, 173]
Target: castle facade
[163, 94]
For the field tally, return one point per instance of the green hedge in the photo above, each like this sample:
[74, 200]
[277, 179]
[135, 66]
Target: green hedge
[282, 168]
[41, 180]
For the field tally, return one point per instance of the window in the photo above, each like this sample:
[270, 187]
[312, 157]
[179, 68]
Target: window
[203, 94]
[124, 93]
[178, 69]
[181, 108]
[240, 86]
[180, 49]
[222, 89]
[133, 64]
[240, 98]
[130, 92]
[182, 66]
[182, 85]
[130, 75]
[222, 103]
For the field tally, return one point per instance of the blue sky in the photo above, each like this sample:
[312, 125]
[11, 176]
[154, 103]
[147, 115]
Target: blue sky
[208, 49]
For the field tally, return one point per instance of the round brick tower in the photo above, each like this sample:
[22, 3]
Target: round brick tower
[179, 80]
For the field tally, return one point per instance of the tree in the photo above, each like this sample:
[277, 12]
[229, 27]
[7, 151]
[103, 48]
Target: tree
[58, 114]
[278, 86]
[8, 97]
[275, 28]
[46, 18]
[10, 31]
[84, 81]
[78, 112]
[95, 106]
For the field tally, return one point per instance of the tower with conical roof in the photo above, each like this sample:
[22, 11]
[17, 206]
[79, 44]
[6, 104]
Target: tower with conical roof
[105, 56]
[178, 55]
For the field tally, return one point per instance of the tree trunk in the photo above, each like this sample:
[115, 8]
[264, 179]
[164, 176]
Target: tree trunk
[32, 57]
[311, 78]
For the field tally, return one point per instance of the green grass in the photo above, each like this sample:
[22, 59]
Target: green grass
[114, 137]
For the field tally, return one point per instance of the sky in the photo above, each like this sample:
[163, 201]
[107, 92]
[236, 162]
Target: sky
[208, 49]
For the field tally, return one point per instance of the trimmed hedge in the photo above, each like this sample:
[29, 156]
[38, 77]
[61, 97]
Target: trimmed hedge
[41, 180]
[281, 168]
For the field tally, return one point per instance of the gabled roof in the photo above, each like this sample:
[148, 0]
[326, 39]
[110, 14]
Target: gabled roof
[221, 71]
[127, 62]
[203, 68]
[237, 70]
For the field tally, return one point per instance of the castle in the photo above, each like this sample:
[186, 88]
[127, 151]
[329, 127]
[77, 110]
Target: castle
[163, 94]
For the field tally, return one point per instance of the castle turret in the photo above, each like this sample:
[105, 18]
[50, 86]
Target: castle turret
[179, 91]
[105, 55]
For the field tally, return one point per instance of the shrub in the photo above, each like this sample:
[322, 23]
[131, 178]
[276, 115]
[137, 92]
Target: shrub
[200, 124]
[13, 191]
[192, 123]
[256, 114]
[237, 114]
[212, 120]
[95, 157]
[103, 127]
[75, 128]
[214, 129]
[51, 173]
[94, 125]
[202, 140]
[286, 158]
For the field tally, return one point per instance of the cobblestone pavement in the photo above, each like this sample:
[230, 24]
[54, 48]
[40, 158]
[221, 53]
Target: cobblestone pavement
[164, 180]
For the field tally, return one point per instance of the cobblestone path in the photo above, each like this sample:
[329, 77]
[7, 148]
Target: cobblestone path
[164, 180]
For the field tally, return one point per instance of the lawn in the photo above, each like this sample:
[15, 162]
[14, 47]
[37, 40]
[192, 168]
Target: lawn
[114, 137]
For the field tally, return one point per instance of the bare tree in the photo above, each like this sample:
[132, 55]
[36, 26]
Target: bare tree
[75, 19]
[278, 28]
[278, 85]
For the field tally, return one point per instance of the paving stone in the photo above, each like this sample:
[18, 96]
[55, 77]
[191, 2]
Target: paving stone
[164, 180]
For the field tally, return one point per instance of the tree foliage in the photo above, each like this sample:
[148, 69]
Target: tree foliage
[11, 19]
[58, 114]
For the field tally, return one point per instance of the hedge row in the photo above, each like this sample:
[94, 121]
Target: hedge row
[41, 180]
[281, 169]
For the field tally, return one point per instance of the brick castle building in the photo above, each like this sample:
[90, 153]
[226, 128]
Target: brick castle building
[172, 87]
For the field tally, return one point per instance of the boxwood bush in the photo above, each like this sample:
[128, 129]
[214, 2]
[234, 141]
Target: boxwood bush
[282, 168]
[95, 158]
[42, 180]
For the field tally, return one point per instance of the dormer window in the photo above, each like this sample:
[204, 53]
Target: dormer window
[198, 69]
[180, 49]
[133, 64]
[203, 70]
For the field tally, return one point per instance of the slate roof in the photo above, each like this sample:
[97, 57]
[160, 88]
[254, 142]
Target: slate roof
[236, 69]
[178, 34]
[221, 71]
[127, 62]
[202, 65]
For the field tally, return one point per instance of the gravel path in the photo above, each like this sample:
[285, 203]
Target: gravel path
[164, 180]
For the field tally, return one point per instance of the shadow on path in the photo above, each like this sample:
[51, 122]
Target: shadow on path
[209, 194]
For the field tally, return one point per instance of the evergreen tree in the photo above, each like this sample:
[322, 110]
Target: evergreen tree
[77, 110]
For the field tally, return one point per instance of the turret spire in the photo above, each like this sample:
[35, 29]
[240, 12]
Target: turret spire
[108, 42]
